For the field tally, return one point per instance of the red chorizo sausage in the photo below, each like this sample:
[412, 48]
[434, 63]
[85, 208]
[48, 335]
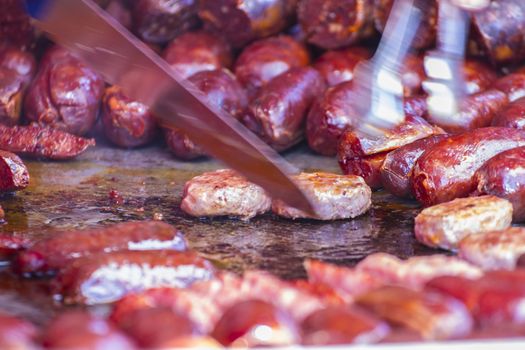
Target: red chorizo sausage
[194, 52]
[242, 22]
[478, 76]
[513, 85]
[278, 112]
[65, 94]
[107, 277]
[55, 252]
[42, 142]
[512, 115]
[368, 167]
[396, 171]
[446, 171]
[13, 172]
[504, 176]
[265, 59]
[338, 66]
[332, 24]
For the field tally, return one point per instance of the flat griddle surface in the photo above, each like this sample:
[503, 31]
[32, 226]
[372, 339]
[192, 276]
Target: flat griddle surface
[75, 194]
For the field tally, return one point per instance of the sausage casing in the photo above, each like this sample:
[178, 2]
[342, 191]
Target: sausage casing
[512, 115]
[368, 167]
[338, 66]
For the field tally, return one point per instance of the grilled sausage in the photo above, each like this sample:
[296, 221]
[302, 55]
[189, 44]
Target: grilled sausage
[476, 111]
[42, 142]
[11, 243]
[513, 85]
[127, 123]
[334, 196]
[499, 31]
[194, 52]
[242, 22]
[16, 71]
[105, 278]
[65, 94]
[222, 90]
[278, 112]
[224, 193]
[445, 224]
[368, 167]
[432, 315]
[342, 325]
[332, 24]
[504, 176]
[426, 33]
[265, 59]
[338, 66]
[478, 76]
[55, 252]
[238, 325]
[158, 21]
[16, 333]
[446, 171]
[512, 115]
[82, 330]
[13, 172]
[494, 250]
[397, 168]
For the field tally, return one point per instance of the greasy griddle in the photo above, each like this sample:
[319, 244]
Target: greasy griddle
[64, 195]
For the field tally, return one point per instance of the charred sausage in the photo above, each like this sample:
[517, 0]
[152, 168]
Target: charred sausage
[278, 112]
[397, 168]
[265, 59]
[504, 176]
[241, 22]
[446, 171]
[338, 66]
[512, 115]
[65, 94]
[106, 277]
[194, 52]
[513, 85]
[158, 21]
[13, 172]
[55, 252]
[127, 123]
[221, 89]
[368, 167]
[42, 142]
[332, 24]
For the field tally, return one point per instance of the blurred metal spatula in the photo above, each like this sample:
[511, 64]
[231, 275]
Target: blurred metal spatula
[83, 28]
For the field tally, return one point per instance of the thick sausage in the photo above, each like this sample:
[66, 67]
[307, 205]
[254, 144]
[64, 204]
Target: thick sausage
[11, 243]
[500, 31]
[194, 52]
[65, 94]
[432, 315]
[446, 171]
[265, 59]
[107, 277]
[21, 62]
[56, 252]
[338, 66]
[16, 333]
[242, 22]
[513, 85]
[478, 76]
[82, 330]
[426, 33]
[512, 115]
[342, 325]
[332, 24]
[368, 167]
[444, 225]
[15, 24]
[238, 325]
[476, 111]
[222, 90]
[127, 123]
[158, 21]
[397, 168]
[13, 172]
[278, 112]
[504, 176]
[334, 197]
[42, 142]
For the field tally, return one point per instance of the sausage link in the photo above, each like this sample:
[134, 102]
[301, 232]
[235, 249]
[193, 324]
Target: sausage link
[13, 172]
[338, 66]
[368, 167]
[16, 333]
[194, 52]
[446, 171]
[512, 116]
[242, 22]
[65, 94]
[504, 176]
[396, 171]
[278, 112]
[478, 76]
[513, 85]
[265, 59]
